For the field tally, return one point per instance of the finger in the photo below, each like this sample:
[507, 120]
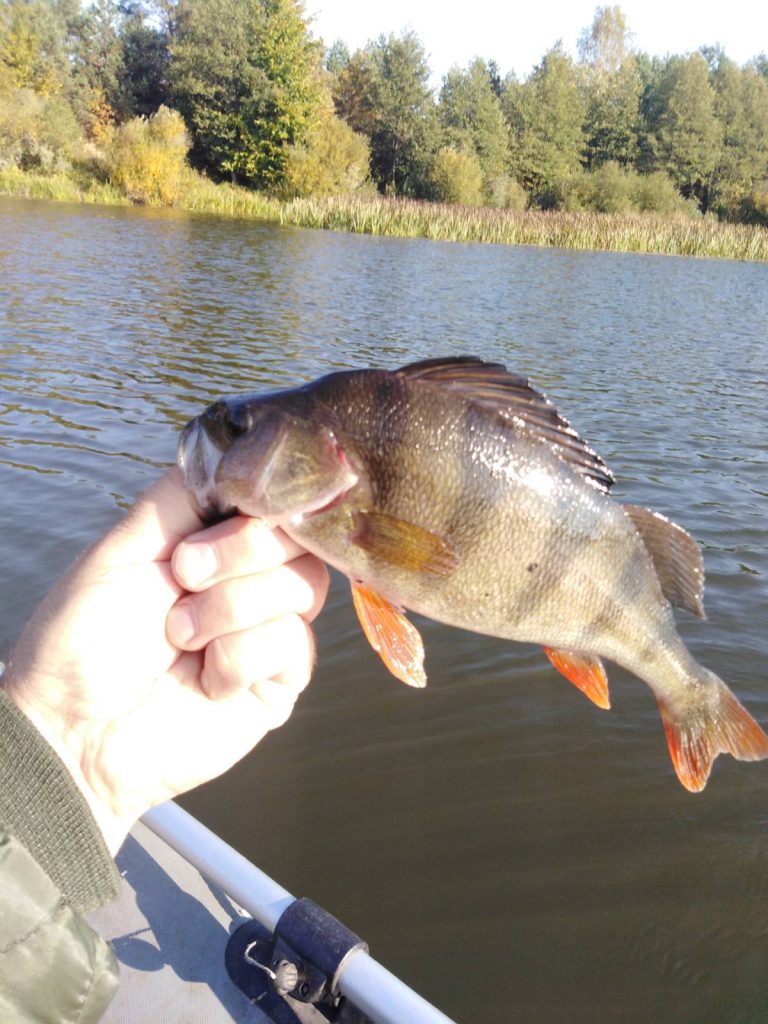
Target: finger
[282, 649]
[236, 547]
[243, 602]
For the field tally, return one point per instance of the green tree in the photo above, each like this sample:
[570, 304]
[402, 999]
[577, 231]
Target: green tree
[247, 77]
[37, 132]
[688, 135]
[34, 52]
[471, 118]
[291, 62]
[354, 93]
[405, 137]
[612, 89]
[213, 80]
[546, 115]
[494, 77]
[741, 107]
[612, 120]
[337, 58]
[145, 59]
[97, 67]
[384, 93]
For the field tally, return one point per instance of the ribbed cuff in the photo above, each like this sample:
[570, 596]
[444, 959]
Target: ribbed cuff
[41, 805]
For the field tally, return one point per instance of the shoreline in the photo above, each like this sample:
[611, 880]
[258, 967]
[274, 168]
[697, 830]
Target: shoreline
[406, 218]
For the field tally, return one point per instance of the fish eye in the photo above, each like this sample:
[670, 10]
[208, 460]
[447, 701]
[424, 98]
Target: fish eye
[218, 413]
[240, 420]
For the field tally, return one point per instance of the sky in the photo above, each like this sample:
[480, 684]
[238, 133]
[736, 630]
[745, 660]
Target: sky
[517, 35]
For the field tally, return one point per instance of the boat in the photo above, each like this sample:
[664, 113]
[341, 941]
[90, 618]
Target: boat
[202, 934]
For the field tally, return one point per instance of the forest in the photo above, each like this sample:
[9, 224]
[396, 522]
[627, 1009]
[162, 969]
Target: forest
[148, 99]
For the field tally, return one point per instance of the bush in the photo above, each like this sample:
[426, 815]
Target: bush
[611, 188]
[456, 177]
[754, 207]
[331, 159]
[37, 133]
[147, 156]
[504, 193]
[657, 193]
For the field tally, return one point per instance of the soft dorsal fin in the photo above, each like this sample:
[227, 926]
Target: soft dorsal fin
[511, 396]
[676, 558]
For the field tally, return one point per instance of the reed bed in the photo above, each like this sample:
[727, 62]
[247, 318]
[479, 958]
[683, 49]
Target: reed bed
[636, 232]
[199, 195]
[677, 235]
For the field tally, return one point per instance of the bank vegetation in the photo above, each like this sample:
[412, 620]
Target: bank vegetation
[232, 107]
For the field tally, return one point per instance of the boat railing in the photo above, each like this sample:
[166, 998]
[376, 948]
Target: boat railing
[377, 993]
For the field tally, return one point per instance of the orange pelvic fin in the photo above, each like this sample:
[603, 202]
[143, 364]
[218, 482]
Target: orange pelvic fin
[585, 671]
[391, 635]
[722, 726]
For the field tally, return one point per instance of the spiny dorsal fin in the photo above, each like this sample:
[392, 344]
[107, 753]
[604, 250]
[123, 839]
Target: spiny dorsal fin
[511, 396]
[676, 557]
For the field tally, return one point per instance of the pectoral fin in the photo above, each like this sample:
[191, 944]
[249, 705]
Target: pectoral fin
[391, 635]
[403, 544]
[585, 671]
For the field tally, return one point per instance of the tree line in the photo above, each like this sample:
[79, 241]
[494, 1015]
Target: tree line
[240, 88]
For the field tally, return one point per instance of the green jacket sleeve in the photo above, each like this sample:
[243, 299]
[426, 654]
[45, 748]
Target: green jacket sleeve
[53, 865]
[53, 968]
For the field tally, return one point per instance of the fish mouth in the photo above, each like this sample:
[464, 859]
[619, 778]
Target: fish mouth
[198, 458]
[325, 504]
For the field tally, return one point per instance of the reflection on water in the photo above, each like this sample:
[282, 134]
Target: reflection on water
[509, 849]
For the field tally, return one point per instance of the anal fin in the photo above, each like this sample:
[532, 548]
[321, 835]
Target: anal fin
[585, 671]
[391, 635]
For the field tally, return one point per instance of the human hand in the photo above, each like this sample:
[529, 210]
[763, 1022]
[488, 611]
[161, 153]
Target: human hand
[137, 707]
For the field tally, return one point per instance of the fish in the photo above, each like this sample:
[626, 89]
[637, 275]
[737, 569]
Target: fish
[455, 489]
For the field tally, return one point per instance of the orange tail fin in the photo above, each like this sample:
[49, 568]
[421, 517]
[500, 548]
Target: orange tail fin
[719, 726]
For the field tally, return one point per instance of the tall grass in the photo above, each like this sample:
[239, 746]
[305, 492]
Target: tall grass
[674, 234]
[61, 187]
[199, 195]
[631, 232]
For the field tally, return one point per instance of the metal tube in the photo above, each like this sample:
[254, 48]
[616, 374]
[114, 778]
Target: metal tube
[254, 891]
[371, 987]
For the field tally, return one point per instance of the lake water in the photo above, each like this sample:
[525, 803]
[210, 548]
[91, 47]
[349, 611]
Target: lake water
[507, 848]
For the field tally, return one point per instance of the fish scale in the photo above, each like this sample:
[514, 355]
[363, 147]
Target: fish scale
[454, 489]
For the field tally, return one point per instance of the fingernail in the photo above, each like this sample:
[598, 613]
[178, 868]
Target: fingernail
[180, 625]
[195, 563]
